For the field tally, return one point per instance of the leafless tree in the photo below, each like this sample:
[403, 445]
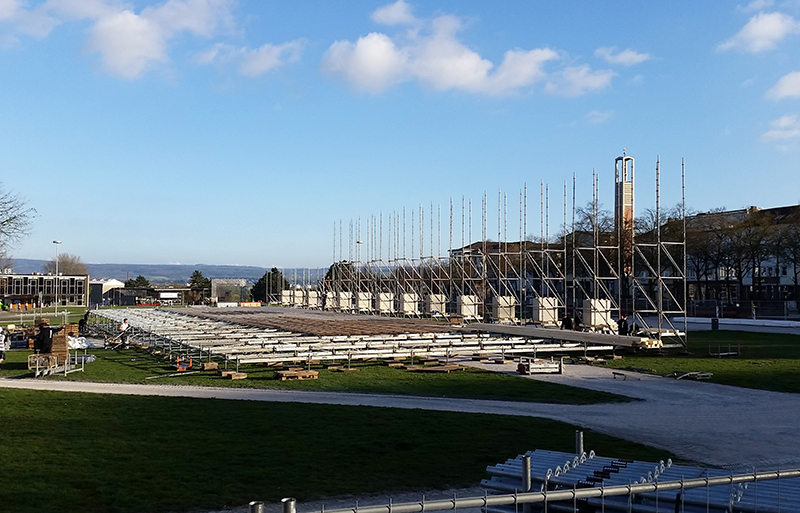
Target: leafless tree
[67, 265]
[15, 220]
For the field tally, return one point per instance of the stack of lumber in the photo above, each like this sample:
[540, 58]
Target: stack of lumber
[232, 374]
[298, 374]
[60, 346]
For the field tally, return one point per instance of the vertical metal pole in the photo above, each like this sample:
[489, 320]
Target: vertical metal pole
[574, 273]
[685, 276]
[288, 505]
[578, 442]
[526, 480]
[257, 507]
[659, 282]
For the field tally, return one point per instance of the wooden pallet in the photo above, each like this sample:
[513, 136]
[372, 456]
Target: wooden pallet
[42, 361]
[446, 368]
[299, 375]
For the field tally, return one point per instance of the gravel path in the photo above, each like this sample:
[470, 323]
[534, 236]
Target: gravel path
[703, 422]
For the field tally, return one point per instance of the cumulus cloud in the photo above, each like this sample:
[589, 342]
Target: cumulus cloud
[18, 20]
[787, 87]
[578, 80]
[9, 9]
[398, 13]
[785, 127]
[756, 5]
[252, 62]
[762, 32]
[434, 55]
[129, 42]
[626, 57]
[371, 64]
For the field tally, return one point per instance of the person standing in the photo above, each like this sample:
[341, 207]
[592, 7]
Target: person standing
[123, 328]
[43, 342]
[622, 325]
[4, 344]
[82, 323]
[577, 323]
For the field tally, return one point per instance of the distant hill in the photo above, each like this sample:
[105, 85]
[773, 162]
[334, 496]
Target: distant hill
[156, 273]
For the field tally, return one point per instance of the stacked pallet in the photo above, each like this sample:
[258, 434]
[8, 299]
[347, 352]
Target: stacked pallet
[60, 345]
[39, 362]
[296, 374]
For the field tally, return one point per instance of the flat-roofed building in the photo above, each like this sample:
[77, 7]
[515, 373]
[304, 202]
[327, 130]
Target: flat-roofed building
[38, 289]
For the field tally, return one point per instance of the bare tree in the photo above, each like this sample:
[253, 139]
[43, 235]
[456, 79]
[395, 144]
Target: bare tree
[791, 252]
[67, 264]
[15, 220]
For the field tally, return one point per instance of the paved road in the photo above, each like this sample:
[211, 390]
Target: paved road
[703, 422]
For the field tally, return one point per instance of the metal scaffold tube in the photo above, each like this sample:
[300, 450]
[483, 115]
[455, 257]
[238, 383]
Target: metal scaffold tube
[556, 496]
[606, 270]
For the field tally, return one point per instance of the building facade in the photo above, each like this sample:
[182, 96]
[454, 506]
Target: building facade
[42, 290]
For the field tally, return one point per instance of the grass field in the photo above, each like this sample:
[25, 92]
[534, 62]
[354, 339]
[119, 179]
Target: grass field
[72, 452]
[134, 366]
[94, 453]
[767, 361]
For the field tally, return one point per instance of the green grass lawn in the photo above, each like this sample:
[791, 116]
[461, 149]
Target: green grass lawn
[135, 366]
[767, 361]
[72, 452]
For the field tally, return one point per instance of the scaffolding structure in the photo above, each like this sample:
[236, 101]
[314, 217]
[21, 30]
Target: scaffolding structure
[594, 271]
[542, 481]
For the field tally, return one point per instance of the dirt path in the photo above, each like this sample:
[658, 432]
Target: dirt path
[704, 422]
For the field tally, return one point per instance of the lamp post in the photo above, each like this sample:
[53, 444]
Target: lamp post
[58, 284]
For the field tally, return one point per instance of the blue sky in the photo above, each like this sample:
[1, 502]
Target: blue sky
[240, 132]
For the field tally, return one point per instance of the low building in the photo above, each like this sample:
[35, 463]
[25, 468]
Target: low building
[101, 291]
[42, 290]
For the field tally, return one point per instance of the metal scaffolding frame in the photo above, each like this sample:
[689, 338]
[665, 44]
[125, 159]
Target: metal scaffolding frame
[601, 271]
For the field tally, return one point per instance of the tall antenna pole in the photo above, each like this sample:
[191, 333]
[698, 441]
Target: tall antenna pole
[574, 240]
[564, 246]
[463, 210]
[659, 283]
[523, 240]
[685, 276]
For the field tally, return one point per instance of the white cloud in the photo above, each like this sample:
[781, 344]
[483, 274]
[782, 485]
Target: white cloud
[252, 62]
[596, 117]
[787, 87]
[371, 64]
[626, 57]
[398, 13]
[756, 5]
[762, 32]
[83, 9]
[578, 80]
[19, 20]
[200, 17]
[130, 43]
[785, 127]
[434, 56]
[9, 9]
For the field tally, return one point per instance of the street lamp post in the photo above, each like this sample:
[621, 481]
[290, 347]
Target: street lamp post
[57, 281]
